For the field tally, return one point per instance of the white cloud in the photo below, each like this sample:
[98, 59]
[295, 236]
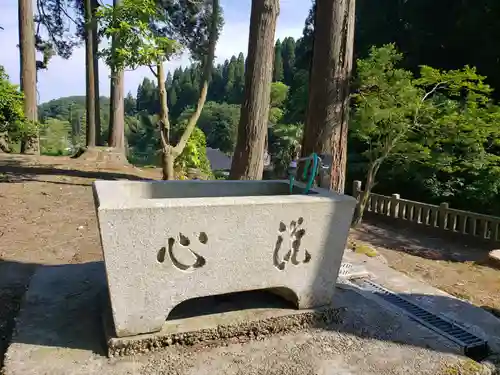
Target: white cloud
[67, 77]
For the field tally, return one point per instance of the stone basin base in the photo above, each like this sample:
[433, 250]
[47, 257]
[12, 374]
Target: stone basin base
[168, 242]
[239, 318]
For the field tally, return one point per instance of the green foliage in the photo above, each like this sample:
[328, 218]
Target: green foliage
[219, 122]
[71, 109]
[152, 31]
[221, 175]
[275, 115]
[12, 120]
[279, 93]
[296, 104]
[387, 107]
[143, 134]
[55, 137]
[227, 86]
[54, 34]
[288, 56]
[136, 24]
[439, 130]
[147, 97]
[446, 151]
[466, 35]
[278, 72]
[284, 142]
[194, 154]
[464, 151]
[228, 80]
[130, 105]
[233, 72]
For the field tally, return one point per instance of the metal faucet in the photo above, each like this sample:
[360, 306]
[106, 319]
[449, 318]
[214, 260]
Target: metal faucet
[321, 169]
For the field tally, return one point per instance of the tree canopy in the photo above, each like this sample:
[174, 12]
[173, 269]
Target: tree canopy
[448, 152]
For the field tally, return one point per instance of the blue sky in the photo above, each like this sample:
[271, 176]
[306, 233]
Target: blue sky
[67, 77]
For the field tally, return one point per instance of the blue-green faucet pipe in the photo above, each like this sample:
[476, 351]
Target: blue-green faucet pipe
[292, 170]
[313, 171]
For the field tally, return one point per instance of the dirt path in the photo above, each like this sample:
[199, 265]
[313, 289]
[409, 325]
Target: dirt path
[47, 217]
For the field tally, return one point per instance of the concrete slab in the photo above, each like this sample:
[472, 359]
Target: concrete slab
[59, 331]
[475, 319]
[189, 239]
[223, 328]
[495, 255]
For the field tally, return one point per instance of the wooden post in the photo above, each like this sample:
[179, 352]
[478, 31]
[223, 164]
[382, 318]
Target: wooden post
[394, 205]
[356, 189]
[443, 215]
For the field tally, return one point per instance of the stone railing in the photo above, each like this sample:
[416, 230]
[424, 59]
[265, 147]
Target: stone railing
[440, 217]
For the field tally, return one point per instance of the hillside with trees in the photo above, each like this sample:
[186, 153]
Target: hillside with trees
[457, 164]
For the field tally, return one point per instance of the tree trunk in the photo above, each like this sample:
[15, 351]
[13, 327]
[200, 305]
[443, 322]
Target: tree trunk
[30, 142]
[89, 75]
[172, 152]
[331, 68]
[95, 57]
[363, 199]
[248, 157]
[168, 157]
[116, 137]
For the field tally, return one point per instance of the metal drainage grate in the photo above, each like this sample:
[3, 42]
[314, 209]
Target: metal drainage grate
[472, 346]
[345, 270]
[350, 271]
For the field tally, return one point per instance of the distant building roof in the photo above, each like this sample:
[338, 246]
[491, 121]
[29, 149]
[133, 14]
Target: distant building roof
[218, 160]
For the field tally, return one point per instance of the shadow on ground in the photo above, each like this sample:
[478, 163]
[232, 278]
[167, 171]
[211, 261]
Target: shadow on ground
[14, 280]
[63, 308]
[14, 170]
[423, 242]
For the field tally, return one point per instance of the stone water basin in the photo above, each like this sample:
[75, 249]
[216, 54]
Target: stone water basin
[165, 242]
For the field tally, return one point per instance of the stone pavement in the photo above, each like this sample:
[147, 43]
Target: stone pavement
[477, 320]
[59, 331]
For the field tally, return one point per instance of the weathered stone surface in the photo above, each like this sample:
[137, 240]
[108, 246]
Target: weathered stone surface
[225, 328]
[495, 255]
[167, 242]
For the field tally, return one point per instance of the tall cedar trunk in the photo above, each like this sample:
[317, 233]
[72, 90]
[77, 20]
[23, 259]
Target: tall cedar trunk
[30, 143]
[328, 106]
[95, 56]
[170, 152]
[167, 152]
[89, 75]
[116, 137]
[248, 156]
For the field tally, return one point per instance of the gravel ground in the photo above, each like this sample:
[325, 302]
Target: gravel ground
[48, 218]
[59, 331]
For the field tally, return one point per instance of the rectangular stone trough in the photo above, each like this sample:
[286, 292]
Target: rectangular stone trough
[167, 242]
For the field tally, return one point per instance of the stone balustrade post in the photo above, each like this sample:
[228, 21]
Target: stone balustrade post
[443, 215]
[394, 212]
